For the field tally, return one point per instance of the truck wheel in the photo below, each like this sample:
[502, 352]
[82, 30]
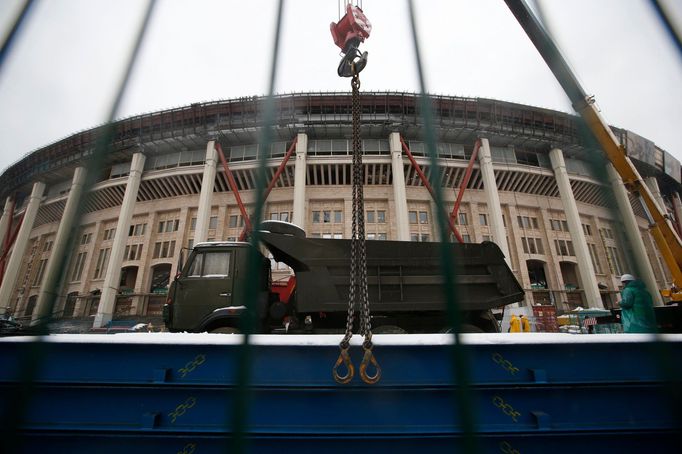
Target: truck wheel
[225, 330]
[388, 329]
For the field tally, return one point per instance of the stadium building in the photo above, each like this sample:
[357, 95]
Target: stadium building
[537, 188]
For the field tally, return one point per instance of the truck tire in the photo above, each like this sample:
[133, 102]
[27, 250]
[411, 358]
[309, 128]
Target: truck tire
[388, 329]
[225, 330]
[465, 328]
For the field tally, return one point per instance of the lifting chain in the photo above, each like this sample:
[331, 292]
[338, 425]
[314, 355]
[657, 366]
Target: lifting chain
[357, 291]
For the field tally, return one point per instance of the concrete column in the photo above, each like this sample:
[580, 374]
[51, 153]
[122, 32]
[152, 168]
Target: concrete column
[300, 170]
[644, 270]
[107, 302]
[19, 249]
[49, 289]
[588, 280]
[207, 185]
[493, 199]
[399, 191]
[4, 222]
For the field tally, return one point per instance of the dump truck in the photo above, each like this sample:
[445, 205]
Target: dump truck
[405, 285]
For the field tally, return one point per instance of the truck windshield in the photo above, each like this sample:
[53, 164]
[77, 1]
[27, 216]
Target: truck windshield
[211, 264]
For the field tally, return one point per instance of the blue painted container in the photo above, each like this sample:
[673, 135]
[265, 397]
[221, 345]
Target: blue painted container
[176, 393]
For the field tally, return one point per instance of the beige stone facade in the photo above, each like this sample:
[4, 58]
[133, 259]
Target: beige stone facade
[165, 214]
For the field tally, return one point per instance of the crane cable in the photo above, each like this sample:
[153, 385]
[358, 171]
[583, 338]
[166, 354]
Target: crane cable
[357, 291]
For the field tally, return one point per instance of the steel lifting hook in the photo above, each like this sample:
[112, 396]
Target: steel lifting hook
[366, 361]
[344, 358]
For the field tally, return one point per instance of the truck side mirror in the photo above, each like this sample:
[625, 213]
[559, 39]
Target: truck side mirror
[180, 263]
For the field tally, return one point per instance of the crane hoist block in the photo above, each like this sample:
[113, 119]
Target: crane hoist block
[352, 29]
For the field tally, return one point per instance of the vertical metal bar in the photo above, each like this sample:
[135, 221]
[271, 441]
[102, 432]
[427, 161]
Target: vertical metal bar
[14, 31]
[254, 263]
[460, 362]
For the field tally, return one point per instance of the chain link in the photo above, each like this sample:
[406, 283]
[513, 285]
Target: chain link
[358, 269]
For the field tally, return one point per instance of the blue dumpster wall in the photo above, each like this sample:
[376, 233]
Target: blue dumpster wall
[176, 392]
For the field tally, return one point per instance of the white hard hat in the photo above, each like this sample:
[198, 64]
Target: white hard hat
[627, 277]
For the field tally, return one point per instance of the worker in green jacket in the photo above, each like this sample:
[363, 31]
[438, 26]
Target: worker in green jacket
[637, 307]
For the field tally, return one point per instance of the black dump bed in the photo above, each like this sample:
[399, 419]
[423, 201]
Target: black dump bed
[402, 276]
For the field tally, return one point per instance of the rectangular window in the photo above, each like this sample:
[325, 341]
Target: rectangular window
[466, 238]
[381, 217]
[564, 226]
[534, 222]
[327, 216]
[338, 216]
[487, 238]
[524, 242]
[164, 249]
[212, 223]
[483, 219]
[85, 239]
[423, 217]
[284, 216]
[538, 245]
[412, 215]
[338, 236]
[381, 236]
[462, 218]
[109, 234]
[102, 261]
[587, 229]
[162, 226]
[274, 216]
[193, 223]
[520, 221]
[78, 267]
[371, 217]
[414, 237]
[157, 250]
[211, 264]
[595, 258]
[425, 237]
[232, 222]
[316, 217]
[47, 247]
[190, 243]
[39, 275]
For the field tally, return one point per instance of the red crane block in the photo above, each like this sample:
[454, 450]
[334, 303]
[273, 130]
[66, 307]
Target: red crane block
[352, 29]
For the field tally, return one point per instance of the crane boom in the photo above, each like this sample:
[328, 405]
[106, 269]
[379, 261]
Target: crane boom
[667, 240]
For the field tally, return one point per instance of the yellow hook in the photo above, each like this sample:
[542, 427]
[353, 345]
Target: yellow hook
[344, 358]
[366, 360]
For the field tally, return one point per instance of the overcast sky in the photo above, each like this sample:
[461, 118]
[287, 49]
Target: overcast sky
[60, 77]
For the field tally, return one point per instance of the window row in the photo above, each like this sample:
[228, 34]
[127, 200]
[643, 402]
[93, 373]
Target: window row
[558, 225]
[564, 247]
[533, 245]
[168, 226]
[421, 216]
[528, 222]
[133, 252]
[163, 249]
[328, 217]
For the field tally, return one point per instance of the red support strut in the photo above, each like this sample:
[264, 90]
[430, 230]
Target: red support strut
[425, 181]
[465, 180]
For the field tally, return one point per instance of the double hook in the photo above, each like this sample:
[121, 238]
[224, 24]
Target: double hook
[368, 360]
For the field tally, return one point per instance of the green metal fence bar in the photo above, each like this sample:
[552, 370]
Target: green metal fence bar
[11, 421]
[460, 361]
[254, 264]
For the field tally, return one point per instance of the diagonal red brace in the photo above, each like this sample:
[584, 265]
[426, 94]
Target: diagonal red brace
[425, 181]
[9, 241]
[233, 186]
[465, 180]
